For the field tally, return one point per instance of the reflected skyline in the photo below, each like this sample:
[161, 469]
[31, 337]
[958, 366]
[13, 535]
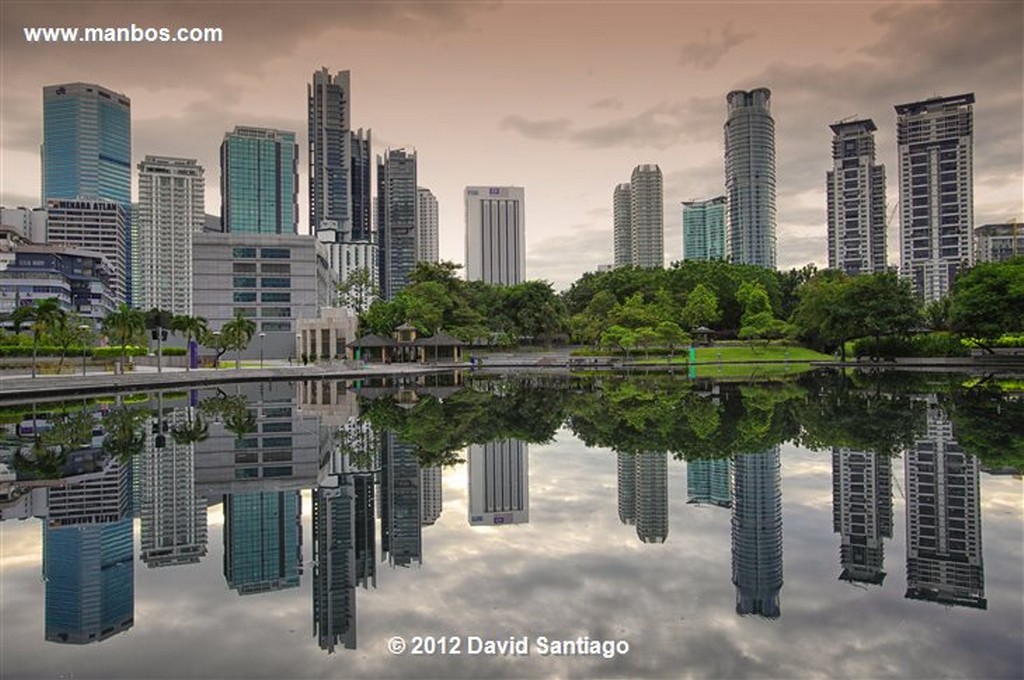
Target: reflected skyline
[861, 513]
[757, 533]
[262, 541]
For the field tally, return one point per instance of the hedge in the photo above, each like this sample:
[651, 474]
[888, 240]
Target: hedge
[925, 345]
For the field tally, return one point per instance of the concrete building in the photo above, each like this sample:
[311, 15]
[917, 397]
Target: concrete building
[495, 235]
[362, 188]
[622, 226]
[80, 281]
[757, 533]
[171, 209]
[499, 483]
[427, 229]
[259, 181]
[861, 512]
[704, 229]
[397, 221]
[431, 495]
[936, 155]
[272, 279]
[30, 223]
[750, 178]
[99, 226]
[998, 242]
[647, 217]
[856, 200]
[334, 564]
[330, 153]
[401, 524]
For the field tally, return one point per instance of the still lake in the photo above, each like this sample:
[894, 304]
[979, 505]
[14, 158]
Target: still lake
[817, 525]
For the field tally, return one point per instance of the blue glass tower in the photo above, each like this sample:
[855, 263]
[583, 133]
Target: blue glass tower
[262, 541]
[259, 181]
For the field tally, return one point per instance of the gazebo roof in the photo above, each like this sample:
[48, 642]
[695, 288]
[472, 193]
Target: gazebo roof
[439, 340]
[703, 329]
[371, 340]
[406, 327]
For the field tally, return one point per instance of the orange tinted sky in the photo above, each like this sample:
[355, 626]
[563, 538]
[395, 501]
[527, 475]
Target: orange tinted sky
[561, 98]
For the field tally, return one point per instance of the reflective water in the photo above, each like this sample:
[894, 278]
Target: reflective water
[812, 526]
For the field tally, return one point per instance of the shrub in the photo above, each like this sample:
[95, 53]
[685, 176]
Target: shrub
[174, 351]
[926, 345]
[114, 351]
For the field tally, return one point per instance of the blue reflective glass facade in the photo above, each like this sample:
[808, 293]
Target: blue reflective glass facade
[259, 181]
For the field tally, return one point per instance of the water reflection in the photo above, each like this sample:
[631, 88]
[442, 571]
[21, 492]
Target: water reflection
[369, 458]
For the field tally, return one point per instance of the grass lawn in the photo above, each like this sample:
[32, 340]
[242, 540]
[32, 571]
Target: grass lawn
[732, 353]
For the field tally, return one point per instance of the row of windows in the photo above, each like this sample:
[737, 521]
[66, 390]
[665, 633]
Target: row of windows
[250, 296]
[265, 312]
[269, 253]
[265, 282]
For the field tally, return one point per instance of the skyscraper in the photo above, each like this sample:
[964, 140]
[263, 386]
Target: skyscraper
[427, 236]
[647, 217]
[262, 541]
[430, 495]
[750, 178]
[856, 200]
[642, 494]
[362, 163]
[499, 483]
[704, 229]
[707, 481]
[330, 154]
[936, 153]
[259, 181]
[334, 564]
[99, 226]
[623, 234]
[397, 219]
[757, 533]
[401, 524]
[87, 154]
[861, 512]
[495, 235]
[171, 209]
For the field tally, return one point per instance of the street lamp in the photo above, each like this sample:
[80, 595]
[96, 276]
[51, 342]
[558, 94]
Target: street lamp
[84, 327]
[298, 348]
[216, 338]
[262, 336]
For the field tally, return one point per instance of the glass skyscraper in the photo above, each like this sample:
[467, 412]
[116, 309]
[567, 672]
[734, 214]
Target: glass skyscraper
[704, 229]
[259, 181]
[398, 206]
[750, 178]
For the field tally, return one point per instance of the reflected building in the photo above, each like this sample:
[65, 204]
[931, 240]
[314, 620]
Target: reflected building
[401, 525]
[944, 555]
[626, 468]
[757, 533]
[861, 512]
[643, 494]
[262, 541]
[708, 483]
[430, 494]
[499, 483]
[172, 515]
[334, 564]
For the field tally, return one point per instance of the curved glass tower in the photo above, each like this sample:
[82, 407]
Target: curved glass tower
[750, 178]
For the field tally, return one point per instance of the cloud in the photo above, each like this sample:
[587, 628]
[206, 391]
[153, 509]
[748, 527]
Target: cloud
[589, 244]
[705, 54]
[608, 103]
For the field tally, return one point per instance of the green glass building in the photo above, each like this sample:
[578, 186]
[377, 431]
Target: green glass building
[259, 181]
[704, 229]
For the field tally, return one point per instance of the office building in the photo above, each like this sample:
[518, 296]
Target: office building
[708, 483]
[750, 178]
[330, 153]
[495, 235]
[29, 223]
[334, 564]
[401, 540]
[262, 541]
[80, 281]
[855, 188]
[430, 495]
[87, 155]
[998, 242]
[647, 217]
[861, 512]
[427, 231]
[499, 483]
[944, 552]
[275, 280]
[99, 226]
[622, 226]
[936, 155]
[704, 229]
[259, 181]
[362, 188]
[171, 209]
[757, 533]
[397, 219]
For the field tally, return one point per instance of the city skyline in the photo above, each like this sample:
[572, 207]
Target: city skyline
[858, 63]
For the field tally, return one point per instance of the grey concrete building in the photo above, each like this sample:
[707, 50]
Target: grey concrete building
[856, 200]
[998, 242]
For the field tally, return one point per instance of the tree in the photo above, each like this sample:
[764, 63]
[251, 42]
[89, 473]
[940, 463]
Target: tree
[988, 300]
[821, 318]
[236, 335]
[193, 327]
[671, 336]
[45, 314]
[646, 337]
[69, 329]
[357, 291]
[426, 306]
[620, 337]
[701, 308]
[383, 316]
[123, 324]
[881, 305]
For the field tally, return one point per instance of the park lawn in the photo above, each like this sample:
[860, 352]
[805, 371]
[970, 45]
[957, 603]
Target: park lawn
[735, 353]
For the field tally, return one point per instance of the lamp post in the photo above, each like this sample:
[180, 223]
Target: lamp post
[84, 327]
[262, 336]
[298, 348]
[216, 342]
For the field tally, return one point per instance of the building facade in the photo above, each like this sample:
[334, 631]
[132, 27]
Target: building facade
[647, 217]
[171, 209]
[427, 236]
[622, 226]
[80, 281]
[936, 156]
[750, 178]
[397, 222]
[704, 229]
[998, 242]
[495, 235]
[330, 153]
[757, 533]
[262, 541]
[856, 201]
[99, 226]
[861, 512]
[259, 181]
[499, 483]
[30, 223]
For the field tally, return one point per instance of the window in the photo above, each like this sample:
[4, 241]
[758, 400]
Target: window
[247, 473]
[276, 312]
[245, 296]
[244, 267]
[246, 312]
[277, 427]
[275, 253]
[276, 326]
[277, 471]
[275, 282]
[276, 268]
[245, 282]
[277, 412]
[243, 252]
[276, 297]
[284, 442]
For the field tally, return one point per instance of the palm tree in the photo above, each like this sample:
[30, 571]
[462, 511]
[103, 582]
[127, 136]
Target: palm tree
[193, 327]
[122, 325]
[239, 332]
[45, 314]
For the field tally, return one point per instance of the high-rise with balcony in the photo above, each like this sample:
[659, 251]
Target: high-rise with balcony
[861, 512]
[704, 229]
[87, 154]
[750, 178]
[171, 209]
[936, 155]
[647, 217]
[330, 154]
[495, 235]
[397, 222]
[856, 200]
[259, 181]
[622, 225]
[427, 229]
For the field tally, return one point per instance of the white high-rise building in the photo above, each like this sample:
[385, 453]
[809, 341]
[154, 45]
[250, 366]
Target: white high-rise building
[495, 235]
[499, 483]
[171, 209]
[750, 178]
[936, 153]
[29, 222]
[426, 226]
[622, 225]
[431, 501]
[856, 200]
[647, 217]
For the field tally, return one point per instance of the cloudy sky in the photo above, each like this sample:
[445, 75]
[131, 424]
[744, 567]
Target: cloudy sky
[562, 98]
